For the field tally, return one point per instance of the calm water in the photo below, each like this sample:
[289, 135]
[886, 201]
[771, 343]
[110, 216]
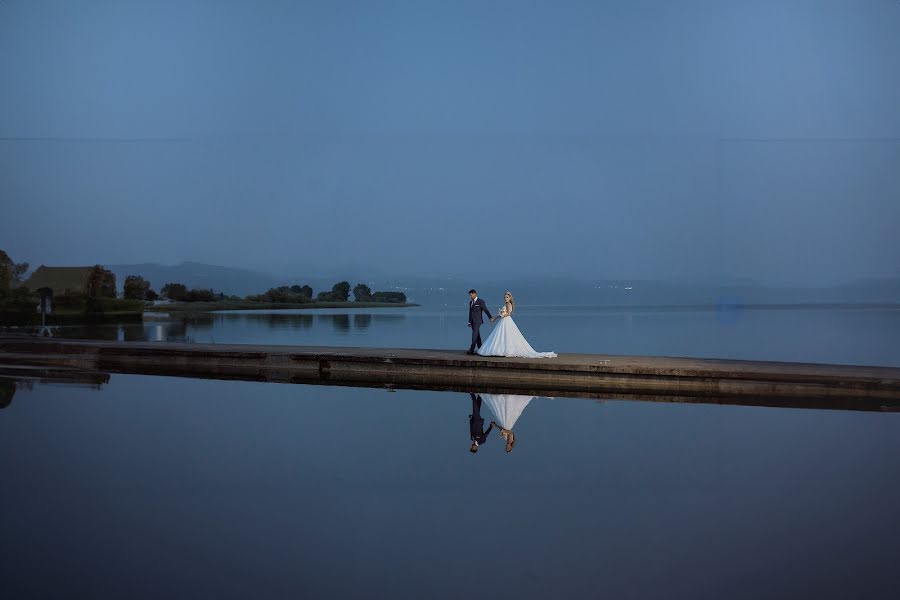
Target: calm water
[132, 486]
[159, 487]
[851, 336]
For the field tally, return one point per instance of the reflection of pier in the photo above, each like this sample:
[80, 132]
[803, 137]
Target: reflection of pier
[14, 377]
[676, 379]
[51, 375]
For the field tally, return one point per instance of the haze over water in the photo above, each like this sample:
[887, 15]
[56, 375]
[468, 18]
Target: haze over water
[596, 140]
[862, 336]
[732, 154]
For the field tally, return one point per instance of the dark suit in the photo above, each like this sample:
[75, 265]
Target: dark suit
[476, 422]
[476, 307]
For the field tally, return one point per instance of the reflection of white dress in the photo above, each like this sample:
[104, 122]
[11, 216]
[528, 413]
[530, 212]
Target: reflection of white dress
[507, 340]
[506, 408]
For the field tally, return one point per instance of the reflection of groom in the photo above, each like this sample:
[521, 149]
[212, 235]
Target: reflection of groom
[476, 425]
[476, 306]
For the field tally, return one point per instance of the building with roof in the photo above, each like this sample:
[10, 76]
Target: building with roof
[62, 280]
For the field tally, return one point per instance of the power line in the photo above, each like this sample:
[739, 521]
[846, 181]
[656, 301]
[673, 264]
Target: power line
[94, 140]
[807, 140]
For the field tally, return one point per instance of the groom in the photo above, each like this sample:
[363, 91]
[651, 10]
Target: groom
[476, 425]
[476, 306]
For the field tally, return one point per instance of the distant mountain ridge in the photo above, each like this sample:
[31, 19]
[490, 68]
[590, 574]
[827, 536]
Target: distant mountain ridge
[438, 291]
[228, 280]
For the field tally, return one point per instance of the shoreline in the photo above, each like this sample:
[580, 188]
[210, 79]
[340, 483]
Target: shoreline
[210, 307]
[734, 306]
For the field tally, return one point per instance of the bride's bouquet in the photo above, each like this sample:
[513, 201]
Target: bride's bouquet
[503, 312]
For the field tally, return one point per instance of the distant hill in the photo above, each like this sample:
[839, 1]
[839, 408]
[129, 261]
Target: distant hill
[451, 291]
[885, 289]
[228, 280]
[638, 292]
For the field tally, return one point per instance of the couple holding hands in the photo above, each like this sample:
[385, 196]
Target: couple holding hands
[505, 339]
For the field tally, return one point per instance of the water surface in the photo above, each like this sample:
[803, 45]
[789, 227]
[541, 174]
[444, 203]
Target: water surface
[842, 336]
[137, 486]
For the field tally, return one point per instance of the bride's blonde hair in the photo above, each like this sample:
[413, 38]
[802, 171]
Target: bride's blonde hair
[510, 439]
[512, 302]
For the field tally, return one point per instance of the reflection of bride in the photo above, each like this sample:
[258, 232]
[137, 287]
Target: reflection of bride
[507, 409]
[506, 339]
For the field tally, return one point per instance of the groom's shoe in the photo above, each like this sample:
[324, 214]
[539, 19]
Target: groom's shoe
[469, 352]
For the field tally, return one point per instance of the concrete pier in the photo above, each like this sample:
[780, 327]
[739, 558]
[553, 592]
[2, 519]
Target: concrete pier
[604, 376]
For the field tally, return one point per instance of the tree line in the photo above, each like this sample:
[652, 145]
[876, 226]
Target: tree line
[340, 292]
[93, 296]
[101, 284]
[15, 299]
[136, 287]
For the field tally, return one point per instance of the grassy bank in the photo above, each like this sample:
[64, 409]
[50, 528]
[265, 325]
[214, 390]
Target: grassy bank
[182, 307]
[23, 312]
[115, 310]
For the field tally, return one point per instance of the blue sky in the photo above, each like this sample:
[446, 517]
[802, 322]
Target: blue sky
[643, 139]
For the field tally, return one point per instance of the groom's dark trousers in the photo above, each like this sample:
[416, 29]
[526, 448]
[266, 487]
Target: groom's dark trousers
[476, 307]
[476, 422]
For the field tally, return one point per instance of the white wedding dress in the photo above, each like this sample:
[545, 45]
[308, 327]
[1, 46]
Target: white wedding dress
[506, 408]
[507, 340]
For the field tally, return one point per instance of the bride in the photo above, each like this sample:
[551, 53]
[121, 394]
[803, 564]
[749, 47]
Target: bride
[506, 339]
[506, 408]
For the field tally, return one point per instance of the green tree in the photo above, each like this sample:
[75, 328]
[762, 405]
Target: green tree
[362, 293]
[18, 272]
[393, 297]
[174, 291]
[6, 266]
[294, 294]
[277, 294]
[302, 290]
[11, 273]
[200, 296]
[102, 283]
[136, 288]
[340, 292]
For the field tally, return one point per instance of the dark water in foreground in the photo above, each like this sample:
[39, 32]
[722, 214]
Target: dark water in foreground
[159, 487]
[848, 336]
[150, 487]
